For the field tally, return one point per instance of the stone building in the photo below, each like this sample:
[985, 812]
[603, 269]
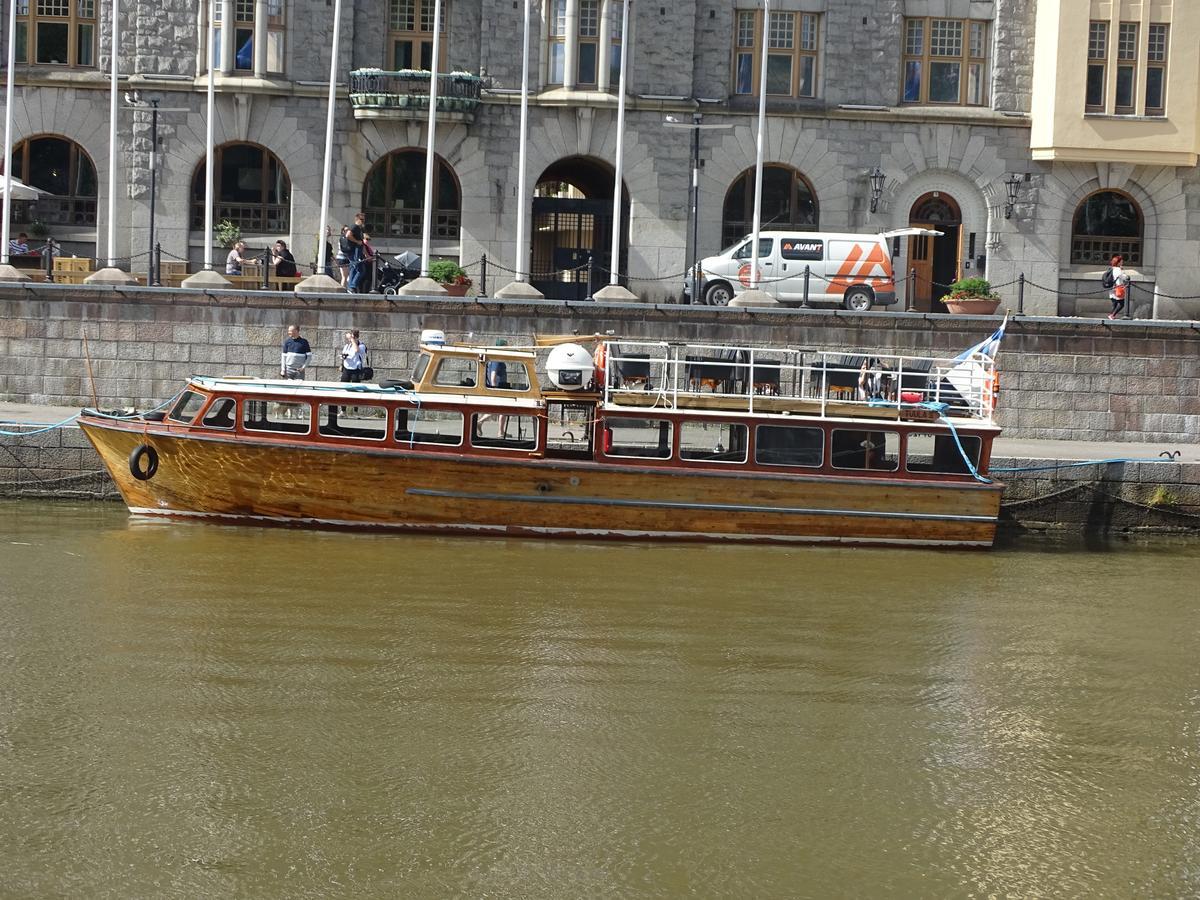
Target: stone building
[949, 99]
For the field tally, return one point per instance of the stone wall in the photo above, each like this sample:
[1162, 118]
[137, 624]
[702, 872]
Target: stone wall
[59, 464]
[1061, 379]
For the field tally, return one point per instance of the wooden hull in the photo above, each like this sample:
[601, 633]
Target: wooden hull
[296, 483]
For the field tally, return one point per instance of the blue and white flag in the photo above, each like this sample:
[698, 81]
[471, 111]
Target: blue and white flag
[988, 347]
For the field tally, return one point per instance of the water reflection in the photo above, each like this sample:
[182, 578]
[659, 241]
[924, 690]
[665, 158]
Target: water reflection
[199, 710]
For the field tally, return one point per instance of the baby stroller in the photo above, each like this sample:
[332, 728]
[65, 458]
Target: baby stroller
[400, 270]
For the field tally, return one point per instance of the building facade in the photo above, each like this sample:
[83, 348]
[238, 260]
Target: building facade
[1090, 104]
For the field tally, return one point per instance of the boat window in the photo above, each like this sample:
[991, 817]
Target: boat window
[221, 414]
[504, 431]
[186, 407]
[367, 422]
[273, 415]
[456, 371]
[420, 367]
[939, 453]
[641, 438]
[429, 426]
[788, 445]
[874, 450]
[506, 375]
[723, 442]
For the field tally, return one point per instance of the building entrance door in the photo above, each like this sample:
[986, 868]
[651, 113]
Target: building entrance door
[572, 221]
[936, 260]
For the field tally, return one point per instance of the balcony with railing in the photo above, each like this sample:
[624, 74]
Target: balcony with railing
[376, 94]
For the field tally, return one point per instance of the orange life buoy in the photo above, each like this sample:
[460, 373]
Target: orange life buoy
[991, 390]
[600, 360]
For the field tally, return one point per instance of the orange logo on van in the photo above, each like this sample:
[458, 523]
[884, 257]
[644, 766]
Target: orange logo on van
[860, 268]
[744, 275]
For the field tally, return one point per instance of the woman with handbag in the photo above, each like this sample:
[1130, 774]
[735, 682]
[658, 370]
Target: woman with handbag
[1118, 278]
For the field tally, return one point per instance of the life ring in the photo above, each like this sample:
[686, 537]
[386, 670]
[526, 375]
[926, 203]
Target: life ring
[992, 390]
[600, 361]
[140, 452]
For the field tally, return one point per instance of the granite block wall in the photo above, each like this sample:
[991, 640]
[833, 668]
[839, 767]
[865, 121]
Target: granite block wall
[1060, 379]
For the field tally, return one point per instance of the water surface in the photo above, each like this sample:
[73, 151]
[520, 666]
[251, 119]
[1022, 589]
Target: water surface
[204, 711]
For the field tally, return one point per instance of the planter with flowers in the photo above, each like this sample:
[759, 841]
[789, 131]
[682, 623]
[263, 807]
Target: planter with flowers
[972, 296]
[451, 276]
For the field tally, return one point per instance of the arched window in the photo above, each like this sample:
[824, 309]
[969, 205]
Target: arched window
[788, 201]
[1106, 224]
[251, 187]
[394, 197]
[62, 169]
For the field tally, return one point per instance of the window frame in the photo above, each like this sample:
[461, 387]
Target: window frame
[265, 218]
[1131, 248]
[759, 461]
[967, 441]
[479, 442]
[211, 409]
[734, 230]
[688, 424]
[399, 222]
[418, 38]
[609, 424]
[322, 417]
[74, 210]
[925, 58]
[866, 430]
[1097, 58]
[412, 439]
[29, 20]
[1157, 65]
[247, 405]
[747, 48]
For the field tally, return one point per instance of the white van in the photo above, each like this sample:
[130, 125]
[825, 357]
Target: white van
[850, 270]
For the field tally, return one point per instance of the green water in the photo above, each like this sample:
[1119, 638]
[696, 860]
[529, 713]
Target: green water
[201, 711]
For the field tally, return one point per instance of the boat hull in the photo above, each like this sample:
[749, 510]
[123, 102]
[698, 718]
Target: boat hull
[296, 483]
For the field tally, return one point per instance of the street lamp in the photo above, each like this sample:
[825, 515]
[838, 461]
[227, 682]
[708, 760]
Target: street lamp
[694, 191]
[1012, 185]
[877, 178]
[134, 100]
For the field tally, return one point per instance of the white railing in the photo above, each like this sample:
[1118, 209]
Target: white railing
[816, 380]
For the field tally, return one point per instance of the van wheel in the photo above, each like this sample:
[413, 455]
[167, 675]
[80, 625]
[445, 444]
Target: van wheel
[718, 294]
[858, 299]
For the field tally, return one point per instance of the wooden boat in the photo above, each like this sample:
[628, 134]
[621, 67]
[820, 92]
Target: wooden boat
[648, 440]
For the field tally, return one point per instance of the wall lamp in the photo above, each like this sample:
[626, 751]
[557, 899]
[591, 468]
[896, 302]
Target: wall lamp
[877, 178]
[1012, 185]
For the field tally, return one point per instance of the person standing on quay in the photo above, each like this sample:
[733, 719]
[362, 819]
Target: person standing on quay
[357, 265]
[296, 355]
[354, 357]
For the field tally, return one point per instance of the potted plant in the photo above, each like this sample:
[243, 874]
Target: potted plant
[227, 233]
[972, 296]
[450, 275]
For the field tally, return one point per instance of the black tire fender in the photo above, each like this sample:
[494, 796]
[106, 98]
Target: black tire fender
[147, 453]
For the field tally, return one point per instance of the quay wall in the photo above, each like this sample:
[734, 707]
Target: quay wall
[1065, 379]
[1113, 498]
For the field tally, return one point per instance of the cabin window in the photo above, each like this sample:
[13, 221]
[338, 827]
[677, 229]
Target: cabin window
[221, 414]
[506, 375]
[506, 432]
[420, 368]
[874, 450]
[365, 422]
[456, 371]
[272, 415]
[721, 442]
[641, 438]
[429, 426]
[940, 453]
[788, 445]
[187, 406]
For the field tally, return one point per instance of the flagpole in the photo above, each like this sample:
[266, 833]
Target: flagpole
[208, 133]
[755, 272]
[8, 106]
[519, 287]
[112, 135]
[522, 256]
[427, 219]
[207, 277]
[614, 290]
[614, 258]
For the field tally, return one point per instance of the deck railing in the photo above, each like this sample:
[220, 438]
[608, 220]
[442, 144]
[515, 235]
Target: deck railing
[756, 379]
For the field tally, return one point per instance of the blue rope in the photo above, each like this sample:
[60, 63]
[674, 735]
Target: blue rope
[67, 421]
[982, 479]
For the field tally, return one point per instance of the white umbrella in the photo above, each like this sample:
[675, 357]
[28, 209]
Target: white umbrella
[22, 191]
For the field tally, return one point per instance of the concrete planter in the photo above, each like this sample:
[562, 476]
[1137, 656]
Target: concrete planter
[457, 290]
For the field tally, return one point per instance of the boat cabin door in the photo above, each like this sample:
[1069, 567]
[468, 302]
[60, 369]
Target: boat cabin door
[569, 428]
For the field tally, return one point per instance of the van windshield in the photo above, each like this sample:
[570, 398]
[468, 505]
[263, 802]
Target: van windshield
[765, 245]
